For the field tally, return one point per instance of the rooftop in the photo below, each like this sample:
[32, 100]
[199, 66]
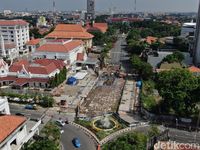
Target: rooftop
[33, 42]
[8, 124]
[69, 31]
[13, 22]
[62, 47]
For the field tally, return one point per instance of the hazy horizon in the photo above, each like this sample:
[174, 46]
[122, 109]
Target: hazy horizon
[102, 5]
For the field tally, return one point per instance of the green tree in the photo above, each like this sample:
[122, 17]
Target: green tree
[136, 47]
[175, 57]
[176, 88]
[144, 69]
[44, 144]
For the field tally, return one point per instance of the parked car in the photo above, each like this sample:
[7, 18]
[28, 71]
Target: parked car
[76, 142]
[31, 107]
[19, 114]
[60, 122]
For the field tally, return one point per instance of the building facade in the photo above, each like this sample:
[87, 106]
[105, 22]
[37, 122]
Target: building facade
[15, 31]
[196, 52]
[30, 74]
[4, 107]
[71, 31]
[188, 29]
[68, 51]
[90, 15]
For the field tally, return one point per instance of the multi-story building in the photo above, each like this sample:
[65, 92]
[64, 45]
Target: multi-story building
[8, 50]
[90, 15]
[188, 29]
[71, 31]
[69, 51]
[15, 31]
[196, 52]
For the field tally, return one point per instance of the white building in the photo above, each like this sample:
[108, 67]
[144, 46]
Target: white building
[8, 49]
[70, 51]
[4, 107]
[15, 31]
[188, 29]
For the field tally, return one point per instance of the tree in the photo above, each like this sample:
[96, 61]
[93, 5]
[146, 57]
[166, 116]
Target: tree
[131, 141]
[52, 132]
[177, 87]
[136, 47]
[44, 144]
[153, 131]
[144, 69]
[175, 57]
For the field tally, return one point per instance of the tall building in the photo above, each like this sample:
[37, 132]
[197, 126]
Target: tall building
[15, 31]
[196, 53]
[90, 15]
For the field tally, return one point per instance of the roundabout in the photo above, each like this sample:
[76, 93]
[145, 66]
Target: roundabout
[104, 123]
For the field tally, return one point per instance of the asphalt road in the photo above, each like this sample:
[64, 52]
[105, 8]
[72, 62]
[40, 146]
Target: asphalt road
[184, 136]
[119, 56]
[33, 114]
[71, 132]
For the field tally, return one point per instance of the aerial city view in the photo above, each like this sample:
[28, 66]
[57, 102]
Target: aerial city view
[99, 75]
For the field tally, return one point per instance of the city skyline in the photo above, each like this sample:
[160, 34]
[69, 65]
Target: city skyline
[103, 5]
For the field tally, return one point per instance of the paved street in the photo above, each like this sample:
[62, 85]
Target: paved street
[119, 56]
[33, 114]
[184, 136]
[71, 132]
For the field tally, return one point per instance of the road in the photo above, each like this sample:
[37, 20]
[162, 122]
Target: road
[71, 132]
[33, 114]
[183, 136]
[119, 56]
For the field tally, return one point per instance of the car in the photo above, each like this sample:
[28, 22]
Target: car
[19, 114]
[61, 131]
[76, 142]
[30, 107]
[60, 122]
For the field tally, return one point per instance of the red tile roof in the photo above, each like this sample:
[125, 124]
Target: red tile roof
[8, 124]
[194, 69]
[22, 62]
[150, 39]
[70, 28]
[13, 22]
[42, 69]
[44, 62]
[69, 31]
[34, 68]
[23, 81]
[60, 47]
[102, 27]
[33, 42]
[80, 57]
[8, 78]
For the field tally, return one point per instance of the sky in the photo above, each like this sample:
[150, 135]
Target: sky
[103, 5]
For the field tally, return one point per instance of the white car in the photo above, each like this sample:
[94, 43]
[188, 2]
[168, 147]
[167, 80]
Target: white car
[60, 122]
[61, 131]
